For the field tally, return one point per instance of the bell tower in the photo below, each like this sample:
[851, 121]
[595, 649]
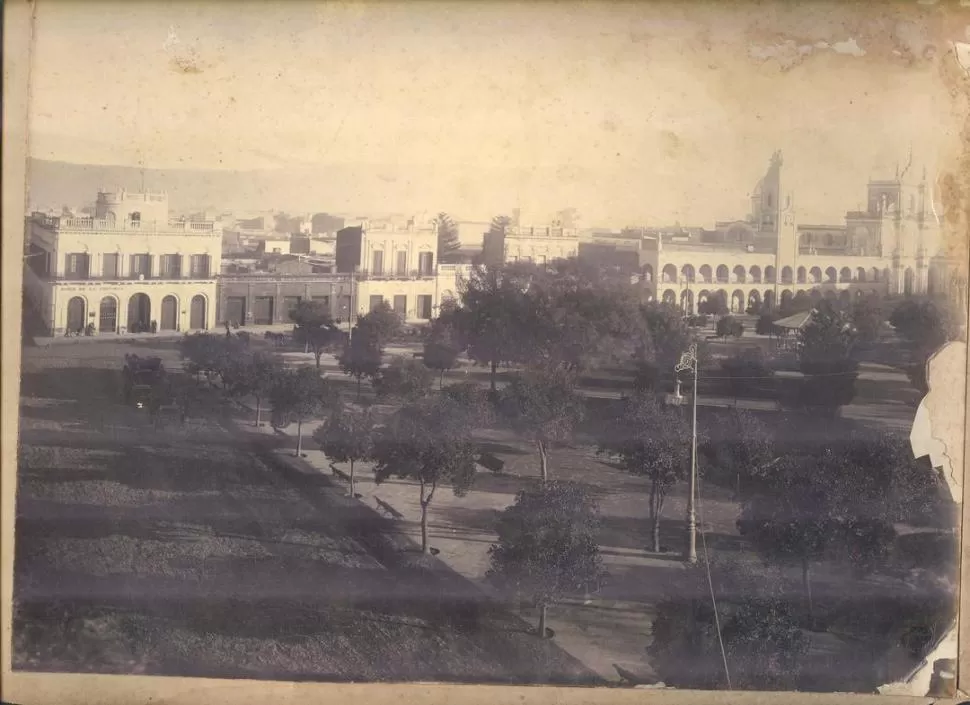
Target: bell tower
[786, 235]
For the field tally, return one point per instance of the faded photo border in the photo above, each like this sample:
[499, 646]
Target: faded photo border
[41, 688]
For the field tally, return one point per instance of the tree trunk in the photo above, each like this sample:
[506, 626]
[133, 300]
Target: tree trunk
[656, 519]
[494, 368]
[352, 493]
[318, 354]
[299, 438]
[542, 620]
[543, 461]
[358, 387]
[257, 412]
[425, 503]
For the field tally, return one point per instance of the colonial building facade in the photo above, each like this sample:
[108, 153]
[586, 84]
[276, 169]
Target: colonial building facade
[392, 264]
[530, 244]
[127, 268]
[888, 249]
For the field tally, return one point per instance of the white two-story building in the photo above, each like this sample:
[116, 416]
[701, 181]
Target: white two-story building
[127, 268]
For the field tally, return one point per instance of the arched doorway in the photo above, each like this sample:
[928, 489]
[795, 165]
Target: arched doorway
[108, 315]
[687, 272]
[170, 309]
[816, 275]
[737, 301]
[800, 275]
[756, 274]
[705, 272]
[770, 274]
[786, 297]
[908, 281]
[669, 274]
[740, 276]
[647, 274]
[721, 273]
[139, 313]
[670, 297]
[687, 302]
[75, 314]
[769, 300]
[754, 301]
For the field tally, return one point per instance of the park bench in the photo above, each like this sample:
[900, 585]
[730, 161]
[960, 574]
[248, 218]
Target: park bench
[381, 504]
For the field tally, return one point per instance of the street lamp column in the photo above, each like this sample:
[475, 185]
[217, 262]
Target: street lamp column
[688, 361]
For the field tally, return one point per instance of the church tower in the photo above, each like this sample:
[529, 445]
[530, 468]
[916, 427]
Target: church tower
[785, 230]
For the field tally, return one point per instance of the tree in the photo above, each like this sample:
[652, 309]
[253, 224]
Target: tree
[494, 318]
[842, 502]
[348, 436]
[580, 318]
[254, 374]
[714, 305]
[826, 344]
[210, 354]
[765, 324]
[314, 327]
[382, 323]
[299, 396]
[926, 326]
[547, 545]
[442, 346]
[475, 401]
[745, 371]
[448, 242]
[737, 447]
[428, 441]
[362, 355]
[868, 317]
[763, 642]
[403, 378]
[660, 337]
[729, 325]
[654, 442]
[543, 406]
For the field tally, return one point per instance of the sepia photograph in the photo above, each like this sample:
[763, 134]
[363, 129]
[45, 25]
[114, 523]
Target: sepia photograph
[615, 345]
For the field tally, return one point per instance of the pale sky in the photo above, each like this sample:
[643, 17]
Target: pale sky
[630, 113]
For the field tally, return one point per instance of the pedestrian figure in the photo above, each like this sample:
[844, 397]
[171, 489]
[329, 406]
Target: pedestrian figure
[154, 326]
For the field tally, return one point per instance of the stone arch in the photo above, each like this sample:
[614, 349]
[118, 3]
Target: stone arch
[739, 275]
[831, 276]
[770, 274]
[845, 275]
[669, 274]
[648, 273]
[197, 312]
[670, 297]
[756, 274]
[687, 272]
[874, 274]
[77, 310]
[800, 275]
[139, 313]
[737, 301]
[786, 275]
[168, 318]
[108, 315]
[754, 299]
[815, 274]
[786, 297]
[860, 274]
[705, 272]
[722, 273]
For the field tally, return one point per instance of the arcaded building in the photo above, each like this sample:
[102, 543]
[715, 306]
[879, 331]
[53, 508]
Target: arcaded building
[888, 249]
[127, 268]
